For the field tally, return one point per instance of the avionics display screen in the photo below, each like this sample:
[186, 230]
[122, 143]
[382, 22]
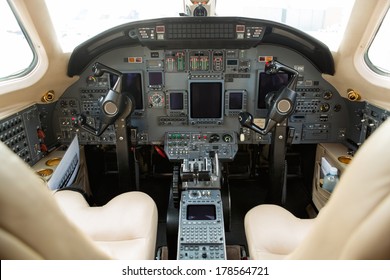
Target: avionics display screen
[176, 100]
[131, 85]
[201, 212]
[206, 99]
[155, 79]
[269, 83]
[235, 100]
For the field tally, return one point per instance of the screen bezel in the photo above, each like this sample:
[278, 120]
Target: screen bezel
[176, 112]
[232, 112]
[210, 119]
[239, 102]
[155, 85]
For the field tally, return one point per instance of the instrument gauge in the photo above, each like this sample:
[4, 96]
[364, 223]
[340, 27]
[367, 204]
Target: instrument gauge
[156, 100]
[214, 138]
[227, 138]
[97, 82]
[327, 95]
[91, 80]
[325, 107]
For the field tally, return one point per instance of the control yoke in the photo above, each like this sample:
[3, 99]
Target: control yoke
[280, 104]
[112, 106]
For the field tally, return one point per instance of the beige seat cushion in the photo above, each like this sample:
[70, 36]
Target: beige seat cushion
[272, 232]
[124, 228]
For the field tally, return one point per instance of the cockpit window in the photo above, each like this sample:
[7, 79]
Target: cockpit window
[75, 21]
[378, 55]
[17, 54]
[324, 20]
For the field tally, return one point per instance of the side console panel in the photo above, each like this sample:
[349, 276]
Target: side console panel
[370, 117]
[22, 133]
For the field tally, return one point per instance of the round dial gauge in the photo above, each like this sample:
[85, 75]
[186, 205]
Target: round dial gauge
[227, 138]
[156, 99]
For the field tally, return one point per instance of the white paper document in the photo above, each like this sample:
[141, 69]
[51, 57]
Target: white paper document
[68, 167]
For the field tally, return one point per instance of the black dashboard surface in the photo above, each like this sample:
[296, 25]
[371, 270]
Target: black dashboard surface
[193, 32]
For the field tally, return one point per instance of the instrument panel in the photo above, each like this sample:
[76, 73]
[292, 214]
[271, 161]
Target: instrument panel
[202, 91]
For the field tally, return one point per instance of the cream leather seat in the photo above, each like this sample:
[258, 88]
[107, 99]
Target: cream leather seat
[34, 225]
[355, 223]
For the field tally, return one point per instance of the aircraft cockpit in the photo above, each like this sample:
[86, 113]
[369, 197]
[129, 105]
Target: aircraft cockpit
[209, 114]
